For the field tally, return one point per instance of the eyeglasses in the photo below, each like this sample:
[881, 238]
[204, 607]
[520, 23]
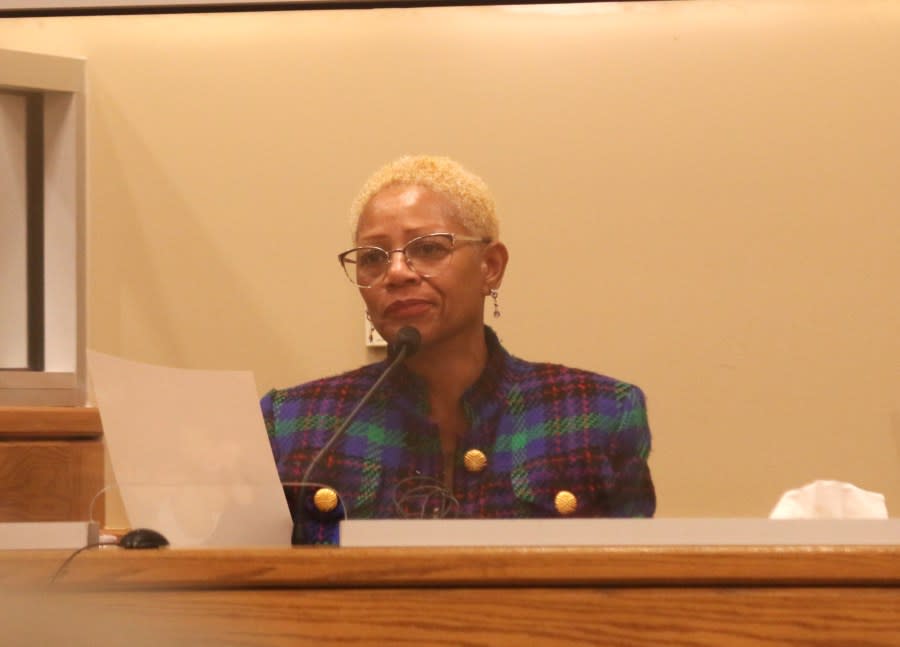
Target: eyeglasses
[427, 256]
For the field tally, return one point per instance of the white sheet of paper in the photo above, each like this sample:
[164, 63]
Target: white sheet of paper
[190, 453]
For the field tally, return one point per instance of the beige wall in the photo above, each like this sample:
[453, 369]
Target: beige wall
[13, 227]
[699, 197]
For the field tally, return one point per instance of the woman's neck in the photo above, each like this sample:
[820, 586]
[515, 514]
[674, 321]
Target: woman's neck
[451, 367]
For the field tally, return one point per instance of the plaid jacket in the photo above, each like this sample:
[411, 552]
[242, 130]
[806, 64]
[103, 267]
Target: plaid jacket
[543, 428]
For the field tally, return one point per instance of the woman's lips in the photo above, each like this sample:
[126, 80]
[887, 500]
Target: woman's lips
[407, 308]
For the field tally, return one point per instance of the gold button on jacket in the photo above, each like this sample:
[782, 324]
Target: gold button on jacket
[325, 499]
[475, 460]
[565, 502]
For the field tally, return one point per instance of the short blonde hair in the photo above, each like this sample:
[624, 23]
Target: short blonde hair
[468, 193]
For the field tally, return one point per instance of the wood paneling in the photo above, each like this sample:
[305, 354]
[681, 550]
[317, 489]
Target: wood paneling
[708, 617]
[50, 480]
[51, 464]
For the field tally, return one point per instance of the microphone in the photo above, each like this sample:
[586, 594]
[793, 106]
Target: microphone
[405, 345]
[408, 340]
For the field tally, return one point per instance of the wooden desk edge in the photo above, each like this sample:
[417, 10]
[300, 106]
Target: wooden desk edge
[311, 567]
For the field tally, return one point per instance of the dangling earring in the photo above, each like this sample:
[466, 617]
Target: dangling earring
[371, 327]
[494, 295]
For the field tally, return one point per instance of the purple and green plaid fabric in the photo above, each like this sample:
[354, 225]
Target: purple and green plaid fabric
[543, 428]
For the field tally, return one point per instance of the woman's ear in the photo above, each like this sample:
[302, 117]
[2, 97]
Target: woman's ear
[493, 265]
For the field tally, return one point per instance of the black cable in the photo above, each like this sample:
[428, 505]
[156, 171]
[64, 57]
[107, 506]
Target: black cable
[249, 7]
[69, 559]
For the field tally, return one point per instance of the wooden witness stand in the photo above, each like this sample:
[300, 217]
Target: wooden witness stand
[51, 466]
[481, 596]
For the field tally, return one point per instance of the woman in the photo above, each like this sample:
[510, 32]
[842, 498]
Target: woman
[461, 428]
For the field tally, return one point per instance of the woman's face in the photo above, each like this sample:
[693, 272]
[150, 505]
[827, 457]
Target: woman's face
[440, 307]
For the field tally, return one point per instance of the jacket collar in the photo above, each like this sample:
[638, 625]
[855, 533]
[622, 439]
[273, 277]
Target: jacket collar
[409, 390]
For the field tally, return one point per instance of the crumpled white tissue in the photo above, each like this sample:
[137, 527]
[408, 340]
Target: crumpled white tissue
[830, 500]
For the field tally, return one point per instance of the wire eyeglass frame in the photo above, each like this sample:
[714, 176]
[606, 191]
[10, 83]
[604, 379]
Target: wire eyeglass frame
[345, 258]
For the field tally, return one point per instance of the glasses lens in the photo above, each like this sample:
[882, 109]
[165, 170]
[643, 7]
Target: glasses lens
[365, 265]
[429, 254]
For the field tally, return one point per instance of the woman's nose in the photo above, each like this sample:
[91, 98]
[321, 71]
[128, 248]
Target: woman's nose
[398, 269]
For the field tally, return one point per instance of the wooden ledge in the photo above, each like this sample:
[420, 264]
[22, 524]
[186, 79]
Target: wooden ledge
[49, 423]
